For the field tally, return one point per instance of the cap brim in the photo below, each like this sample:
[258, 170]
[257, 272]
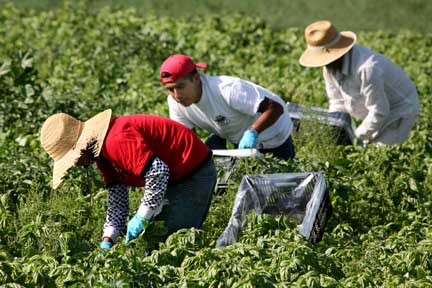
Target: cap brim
[95, 129]
[201, 65]
[324, 56]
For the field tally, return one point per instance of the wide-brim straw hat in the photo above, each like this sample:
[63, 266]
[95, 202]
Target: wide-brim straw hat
[325, 44]
[65, 138]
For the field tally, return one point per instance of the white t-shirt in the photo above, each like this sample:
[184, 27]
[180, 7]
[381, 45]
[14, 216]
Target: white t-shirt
[228, 107]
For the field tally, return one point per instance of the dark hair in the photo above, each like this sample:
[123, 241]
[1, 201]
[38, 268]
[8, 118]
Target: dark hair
[191, 75]
[91, 147]
[188, 76]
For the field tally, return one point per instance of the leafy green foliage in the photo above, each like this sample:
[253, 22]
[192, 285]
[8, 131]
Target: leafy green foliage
[81, 61]
[389, 15]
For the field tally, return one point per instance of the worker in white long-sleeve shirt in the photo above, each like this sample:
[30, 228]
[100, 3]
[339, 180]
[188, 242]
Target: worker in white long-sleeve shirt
[159, 154]
[363, 83]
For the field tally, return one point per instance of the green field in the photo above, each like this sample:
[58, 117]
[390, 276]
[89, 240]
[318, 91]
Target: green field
[389, 15]
[81, 60]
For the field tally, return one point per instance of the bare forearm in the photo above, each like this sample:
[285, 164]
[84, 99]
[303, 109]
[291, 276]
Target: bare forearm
[271, 111]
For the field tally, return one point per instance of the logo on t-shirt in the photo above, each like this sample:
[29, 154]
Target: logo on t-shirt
[221, 120]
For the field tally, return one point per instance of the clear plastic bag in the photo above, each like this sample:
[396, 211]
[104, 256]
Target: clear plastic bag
[302, 197]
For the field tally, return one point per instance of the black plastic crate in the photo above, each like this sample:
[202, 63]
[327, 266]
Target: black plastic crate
[302, 197]
[227, 165]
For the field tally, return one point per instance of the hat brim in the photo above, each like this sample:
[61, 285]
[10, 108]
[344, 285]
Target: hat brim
[324, 56]
[95, 130]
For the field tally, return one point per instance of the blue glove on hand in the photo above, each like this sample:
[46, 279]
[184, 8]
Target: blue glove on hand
[135, 226]
[106, 245]
[249, 139]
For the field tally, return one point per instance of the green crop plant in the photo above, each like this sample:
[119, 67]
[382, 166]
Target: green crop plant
[80, 61]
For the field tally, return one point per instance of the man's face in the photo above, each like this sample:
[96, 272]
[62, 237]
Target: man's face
[185, 91]
[335, 65]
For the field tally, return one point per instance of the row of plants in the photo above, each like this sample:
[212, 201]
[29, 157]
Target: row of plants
[80, 61]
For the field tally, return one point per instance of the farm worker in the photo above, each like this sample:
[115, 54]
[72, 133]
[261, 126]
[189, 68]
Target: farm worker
[153, 152]
[245, 114]
[363, 83]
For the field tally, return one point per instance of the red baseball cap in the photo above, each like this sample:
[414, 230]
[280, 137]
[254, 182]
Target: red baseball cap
[177, 66]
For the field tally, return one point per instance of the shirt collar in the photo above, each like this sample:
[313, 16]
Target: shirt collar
[346, 68]
[346, 63]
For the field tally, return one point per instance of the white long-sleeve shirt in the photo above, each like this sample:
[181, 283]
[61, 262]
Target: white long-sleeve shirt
[372, 88]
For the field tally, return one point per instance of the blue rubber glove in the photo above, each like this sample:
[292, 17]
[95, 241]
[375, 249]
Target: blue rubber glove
[106, 245]
[249, 139]
[135, 226]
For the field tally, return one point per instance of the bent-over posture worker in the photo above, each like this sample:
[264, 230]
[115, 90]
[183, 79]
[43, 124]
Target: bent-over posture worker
[159, 154]
[363, 83]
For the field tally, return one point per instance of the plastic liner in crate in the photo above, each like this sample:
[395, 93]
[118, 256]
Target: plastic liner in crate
[342, 122]
[302, 197]
[226, 161]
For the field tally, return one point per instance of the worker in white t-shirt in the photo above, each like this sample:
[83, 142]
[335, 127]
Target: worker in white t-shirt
[235, 110]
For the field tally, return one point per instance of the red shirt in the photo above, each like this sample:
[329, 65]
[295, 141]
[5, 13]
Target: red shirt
[133, 141]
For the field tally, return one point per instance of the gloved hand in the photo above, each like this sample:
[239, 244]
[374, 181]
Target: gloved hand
[249, 139]
[105, 245]
[135, 226]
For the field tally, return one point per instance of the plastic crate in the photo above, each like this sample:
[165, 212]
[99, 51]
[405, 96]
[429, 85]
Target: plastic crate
[226, 161]
[225, 166]
[302, 197]
[341, 122]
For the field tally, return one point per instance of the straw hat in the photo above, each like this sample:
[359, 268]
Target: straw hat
[64, 138]
[325, 44]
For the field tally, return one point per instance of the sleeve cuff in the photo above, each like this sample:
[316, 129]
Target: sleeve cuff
[110, 232]
[365, 133]
[146, 212]
[337, 108]
[361, 132]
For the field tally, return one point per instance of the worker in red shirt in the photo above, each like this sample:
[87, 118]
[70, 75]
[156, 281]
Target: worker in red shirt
[166, 158]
